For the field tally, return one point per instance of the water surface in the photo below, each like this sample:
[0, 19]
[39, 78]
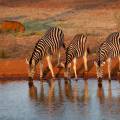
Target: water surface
[57, 100]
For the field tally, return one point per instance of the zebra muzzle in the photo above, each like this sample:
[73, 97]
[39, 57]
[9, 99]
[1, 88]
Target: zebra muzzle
[99, 73]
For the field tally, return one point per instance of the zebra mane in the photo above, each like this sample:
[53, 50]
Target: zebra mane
[100, 42]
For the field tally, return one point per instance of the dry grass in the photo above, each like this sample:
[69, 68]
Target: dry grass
[97, 19]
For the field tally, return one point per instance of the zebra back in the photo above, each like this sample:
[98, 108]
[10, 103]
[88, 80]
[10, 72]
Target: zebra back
[52, 40]
[76, 48]
[109, 48]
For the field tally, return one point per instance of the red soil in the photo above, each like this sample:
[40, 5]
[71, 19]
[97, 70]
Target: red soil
[17, 68]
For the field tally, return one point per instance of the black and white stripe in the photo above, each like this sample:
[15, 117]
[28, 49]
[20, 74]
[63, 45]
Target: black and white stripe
[76, 49]
[107, 50]
[49, 44]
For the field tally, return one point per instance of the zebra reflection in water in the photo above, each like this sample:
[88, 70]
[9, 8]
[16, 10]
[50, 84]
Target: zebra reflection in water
[56, 92]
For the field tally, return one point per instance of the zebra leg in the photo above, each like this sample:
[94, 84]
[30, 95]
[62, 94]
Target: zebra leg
[74, 66]
[50, 65]
[119, 63]
[67, 71]
[109, 68]
[31, 73]
[118, 74]
[41, 70]
[85, 61]
[58, 62]
[85, 64]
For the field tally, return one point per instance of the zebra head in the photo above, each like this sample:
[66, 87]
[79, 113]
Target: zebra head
[69, 58]
[67, 70]
[101, 55]
[31, 69]
[99, 68]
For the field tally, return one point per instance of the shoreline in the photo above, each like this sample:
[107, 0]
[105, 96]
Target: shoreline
[17, 69]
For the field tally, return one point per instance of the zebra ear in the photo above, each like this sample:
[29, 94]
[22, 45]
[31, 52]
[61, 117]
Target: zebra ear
[27, 62]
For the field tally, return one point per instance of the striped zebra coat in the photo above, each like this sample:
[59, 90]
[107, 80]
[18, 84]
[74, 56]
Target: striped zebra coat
[109, 49]
[47, 46]
[76, 49]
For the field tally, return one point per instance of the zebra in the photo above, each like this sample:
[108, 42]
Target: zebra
[109, 49]
[50, 43]
[77, 48]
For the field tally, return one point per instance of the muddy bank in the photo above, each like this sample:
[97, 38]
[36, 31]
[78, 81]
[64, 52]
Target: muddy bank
[18, 69]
